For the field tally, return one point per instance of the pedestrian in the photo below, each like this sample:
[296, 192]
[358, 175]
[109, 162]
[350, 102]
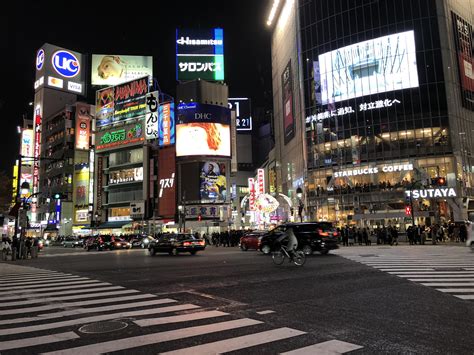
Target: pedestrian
[15, 245]
[34, 248]
[5, 248]
[410, 235]
[351, 236]
[365, 236]
[394, 236]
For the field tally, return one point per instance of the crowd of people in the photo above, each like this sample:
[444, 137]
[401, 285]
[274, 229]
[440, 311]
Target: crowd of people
[364, 187]
[363, 236]
[19, 248]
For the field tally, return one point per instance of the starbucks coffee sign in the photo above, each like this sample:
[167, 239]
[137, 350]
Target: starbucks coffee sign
[432, 193]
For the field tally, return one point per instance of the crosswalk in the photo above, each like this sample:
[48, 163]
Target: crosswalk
[448, 270]
[45, 311]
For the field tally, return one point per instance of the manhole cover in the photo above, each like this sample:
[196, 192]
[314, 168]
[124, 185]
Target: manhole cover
[103, 327]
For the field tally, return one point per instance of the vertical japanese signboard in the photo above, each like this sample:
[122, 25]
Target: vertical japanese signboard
[82, 126]
[464, 50]
[100, 182]
[27, 145]
[288, 105]
[166, 125]
[151, 117]
[166, 182]
[251, 182]
[260, 181]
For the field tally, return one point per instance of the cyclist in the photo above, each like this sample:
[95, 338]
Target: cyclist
[292, 243]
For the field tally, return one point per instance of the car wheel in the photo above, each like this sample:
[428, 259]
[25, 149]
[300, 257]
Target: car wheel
[266, 249]
[193, 252]
[324, 251]
[307, 249]
[152, 251]
[244, 247]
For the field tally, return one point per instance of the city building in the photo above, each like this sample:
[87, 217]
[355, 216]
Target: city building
[381, 94]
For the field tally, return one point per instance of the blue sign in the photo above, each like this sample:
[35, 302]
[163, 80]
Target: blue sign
[166, 125]
[195, 112]
[66, 64]
[39, 59]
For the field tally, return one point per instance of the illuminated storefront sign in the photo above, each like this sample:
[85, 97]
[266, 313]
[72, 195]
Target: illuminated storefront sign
[374, 170]
[432, 193]
[82, 216]
[167, 187]
[200, 54]
[203, 210]
[151, 118]
[82, 126]
[130, 134]
[126, 175]
[260, 181]
[166, 125]
[117, 69]
[374, 66]
[243, 113]
[289, 122]
[27, 145]
[100, 181]
[251, 182]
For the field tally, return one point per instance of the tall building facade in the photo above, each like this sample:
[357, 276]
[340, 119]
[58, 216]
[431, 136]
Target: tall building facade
[386, 92]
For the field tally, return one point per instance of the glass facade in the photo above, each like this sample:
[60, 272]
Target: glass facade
[375, 96]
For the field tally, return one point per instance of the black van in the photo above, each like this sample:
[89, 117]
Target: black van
[312, 236]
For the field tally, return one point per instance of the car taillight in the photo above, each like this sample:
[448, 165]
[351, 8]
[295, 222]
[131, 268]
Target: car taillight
[202, 242]
[187, 244]
[117, 244]
[324, 234]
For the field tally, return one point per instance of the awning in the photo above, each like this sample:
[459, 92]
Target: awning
[112, 225]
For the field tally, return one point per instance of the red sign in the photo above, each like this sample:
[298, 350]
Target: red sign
[37, 149]
[252, 194]
[167, 182]
[82, 126]
[261, 181]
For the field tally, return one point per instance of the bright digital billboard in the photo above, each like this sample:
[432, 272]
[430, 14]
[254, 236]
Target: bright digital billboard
[200, 54]
[166, 125]
[213, 183]
[202, 129]
[378, 65]
[110, 70]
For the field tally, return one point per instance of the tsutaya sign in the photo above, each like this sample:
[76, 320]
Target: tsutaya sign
[374, 170]
[432, 193]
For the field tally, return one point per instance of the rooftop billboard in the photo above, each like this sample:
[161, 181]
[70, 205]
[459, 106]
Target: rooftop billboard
[108, 70]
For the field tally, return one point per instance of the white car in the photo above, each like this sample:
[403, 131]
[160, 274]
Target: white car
[470, 235]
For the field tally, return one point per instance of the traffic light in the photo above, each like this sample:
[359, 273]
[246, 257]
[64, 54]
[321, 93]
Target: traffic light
[408, 210]
[199, 217]
[439, 181]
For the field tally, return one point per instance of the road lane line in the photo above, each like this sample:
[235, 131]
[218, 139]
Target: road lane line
[445, 280]
[79, 311]
[155, 338]
[428, 273]
[34, 277]
[238, 343]
[454, 290]
[406, 269]
[265, 312]
[20, 293]
[61, 293]
[93, 319]
[47, 339]
[60, 283]
[448, 284]
[180, 318]
[465, 297]
[40, 282]
[67, 298]
[75, 304]
[328, 347]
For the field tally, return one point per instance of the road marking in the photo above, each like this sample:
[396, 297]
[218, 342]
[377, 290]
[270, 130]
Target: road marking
[447, 279]
[30, 272]
[75, 304]
[239, 343]
[326, 348]
[79, 311]
[467, 290]
[180, 318]
[408, 269]
[448, 284]
[39, 283]
[33, 277]
[465, 297]
[38, 296]
[436, 276]
[47, 339]
[67, 323]
[66, 298]
[60, 283]
[21, 292]
[428, 273]
[265, 312]
[155, 338]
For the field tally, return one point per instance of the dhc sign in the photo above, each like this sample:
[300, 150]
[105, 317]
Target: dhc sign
[432, 193]
[66, 64]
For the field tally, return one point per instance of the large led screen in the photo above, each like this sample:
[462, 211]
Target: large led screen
[108, 70]
[378, 65]
[202, 130]
[213, 183]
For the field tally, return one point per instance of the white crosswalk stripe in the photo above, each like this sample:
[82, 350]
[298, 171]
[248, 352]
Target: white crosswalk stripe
[34, 317]
[450, 271]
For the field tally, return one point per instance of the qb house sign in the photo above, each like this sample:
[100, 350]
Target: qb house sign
[122, 136]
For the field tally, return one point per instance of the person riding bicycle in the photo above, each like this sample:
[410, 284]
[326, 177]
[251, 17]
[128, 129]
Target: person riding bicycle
[292, 242]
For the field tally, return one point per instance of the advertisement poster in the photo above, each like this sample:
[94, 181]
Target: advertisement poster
[166, 125]
[81, 186]
[129, 134]
[213, 183]
[288, 105]
[130, 99]
[378, 65]
[203, 130]
[166, 182]
[26, 145]
[104, 106]
[82, 126]
[151, 118]
[464, 50]
[200, 54]
[109, 70]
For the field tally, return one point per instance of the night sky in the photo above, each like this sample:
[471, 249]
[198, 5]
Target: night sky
[136, 28]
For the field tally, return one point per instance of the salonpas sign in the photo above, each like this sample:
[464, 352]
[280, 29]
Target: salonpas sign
[432, 193]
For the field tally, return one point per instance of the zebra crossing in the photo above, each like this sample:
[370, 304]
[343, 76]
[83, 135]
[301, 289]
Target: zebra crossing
[449, 270]
[44, 311]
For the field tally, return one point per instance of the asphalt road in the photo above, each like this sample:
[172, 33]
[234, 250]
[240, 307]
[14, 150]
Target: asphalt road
[333, 297]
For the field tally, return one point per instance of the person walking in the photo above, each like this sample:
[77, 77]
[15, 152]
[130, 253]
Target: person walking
[394, 236]
[34, 248]
[5, 248]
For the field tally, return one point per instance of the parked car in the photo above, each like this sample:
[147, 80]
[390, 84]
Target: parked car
[312, 236]
[73, 242]
[250, 240]
[176, 243]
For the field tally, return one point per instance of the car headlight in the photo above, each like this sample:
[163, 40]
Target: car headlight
[146, 241]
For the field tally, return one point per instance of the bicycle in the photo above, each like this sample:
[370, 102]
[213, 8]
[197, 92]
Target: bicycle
[298, 257]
